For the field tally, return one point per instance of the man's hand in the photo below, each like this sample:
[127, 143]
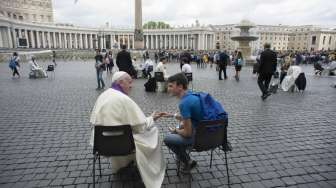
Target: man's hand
[157, 115]
[172, 129]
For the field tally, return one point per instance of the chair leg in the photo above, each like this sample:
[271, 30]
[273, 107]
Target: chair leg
[211, 159]
[100, 174]
[93, 171]
[178, 167]
[227, 168]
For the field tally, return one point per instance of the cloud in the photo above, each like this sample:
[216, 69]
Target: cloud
[96, 13]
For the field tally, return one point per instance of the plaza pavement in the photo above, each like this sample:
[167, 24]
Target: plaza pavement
[289, 140]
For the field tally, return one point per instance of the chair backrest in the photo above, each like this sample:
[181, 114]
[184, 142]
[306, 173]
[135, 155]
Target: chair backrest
[159, 76]
[189, 76]
[113, 140]
[210, 135]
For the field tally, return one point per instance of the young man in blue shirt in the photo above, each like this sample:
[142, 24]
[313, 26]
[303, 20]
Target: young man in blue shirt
[182, 136]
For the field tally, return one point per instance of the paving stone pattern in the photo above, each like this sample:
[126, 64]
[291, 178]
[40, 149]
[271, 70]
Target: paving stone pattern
[289, 140]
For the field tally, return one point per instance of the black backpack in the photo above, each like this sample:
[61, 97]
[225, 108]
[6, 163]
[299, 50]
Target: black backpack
[301, 82]
[150, 85]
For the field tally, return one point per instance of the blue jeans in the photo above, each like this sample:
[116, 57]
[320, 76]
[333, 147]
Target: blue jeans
[100, 78]
[178, 144]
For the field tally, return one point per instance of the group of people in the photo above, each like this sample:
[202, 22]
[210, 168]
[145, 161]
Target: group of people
[114, 107]
[35, 70]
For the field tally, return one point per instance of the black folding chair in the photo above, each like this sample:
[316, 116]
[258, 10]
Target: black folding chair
[51, 69]
[190, 79]
[160, 78]
[111, 141]
[210, 135]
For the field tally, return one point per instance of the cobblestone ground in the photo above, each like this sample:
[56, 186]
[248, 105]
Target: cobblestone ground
[286, 141]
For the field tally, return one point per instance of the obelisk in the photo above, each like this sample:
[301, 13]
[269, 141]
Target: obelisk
[138, 33]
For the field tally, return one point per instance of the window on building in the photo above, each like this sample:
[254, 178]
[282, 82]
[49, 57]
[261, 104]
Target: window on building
[20, 17]
[313, 40]
[329, 40]
[14, 16]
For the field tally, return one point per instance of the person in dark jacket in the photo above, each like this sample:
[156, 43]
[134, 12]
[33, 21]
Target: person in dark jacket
[124, 61]
[222, 63]
[185, 57]
[268, 63]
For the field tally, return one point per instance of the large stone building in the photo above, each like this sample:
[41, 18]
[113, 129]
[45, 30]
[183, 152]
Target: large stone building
[30, 24]
[28, 10]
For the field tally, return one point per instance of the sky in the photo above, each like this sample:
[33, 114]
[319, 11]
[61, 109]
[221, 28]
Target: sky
[120, 13]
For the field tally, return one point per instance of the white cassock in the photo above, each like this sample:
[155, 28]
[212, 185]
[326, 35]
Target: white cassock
[115, 108]
[292, 74]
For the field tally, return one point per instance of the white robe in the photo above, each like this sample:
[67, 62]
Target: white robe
[292, 74]
[115, 108]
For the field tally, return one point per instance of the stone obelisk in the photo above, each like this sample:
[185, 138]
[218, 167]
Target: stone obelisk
[138, 32]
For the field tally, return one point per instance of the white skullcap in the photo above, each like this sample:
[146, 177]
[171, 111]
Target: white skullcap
[117, 75]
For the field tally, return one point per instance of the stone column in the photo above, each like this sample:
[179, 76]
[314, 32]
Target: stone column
[32, 40]
[151, 42]
[54, 40]
[75, 41]
[85, 41]
[20, 33]
[183, 41]
[2, 43]
[128, 42]
[70, 41]
[49, 39]
[60, 40]
[91, 41]
[79, 40]
[10, 40]
[66, 46]
[26, 37]
[44, 45]
[138, 33]
[178, 41]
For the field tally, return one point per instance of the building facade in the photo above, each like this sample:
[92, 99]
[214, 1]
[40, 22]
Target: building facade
[281, 37]
[28, 10]
[30, 24]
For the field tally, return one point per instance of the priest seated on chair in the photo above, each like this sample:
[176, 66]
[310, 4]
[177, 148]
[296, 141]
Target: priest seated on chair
[113, 108]
[36, 71]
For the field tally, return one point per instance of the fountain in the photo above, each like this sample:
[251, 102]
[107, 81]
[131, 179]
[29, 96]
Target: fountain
[244, 38]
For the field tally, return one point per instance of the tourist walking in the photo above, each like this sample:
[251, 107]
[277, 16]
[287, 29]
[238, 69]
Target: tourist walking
[14, 64]
[238, 64]
[100, 67]
[222, 62]
[54, 58]
[124, 61]
[268, 63]
[109, 61]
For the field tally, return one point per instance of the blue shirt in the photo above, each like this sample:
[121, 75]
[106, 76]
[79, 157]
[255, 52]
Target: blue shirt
[190, 108]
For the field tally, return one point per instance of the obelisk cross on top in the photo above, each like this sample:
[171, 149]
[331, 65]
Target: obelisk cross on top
[138, 32]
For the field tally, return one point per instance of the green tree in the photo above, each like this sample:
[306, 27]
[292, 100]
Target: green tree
[156, 25]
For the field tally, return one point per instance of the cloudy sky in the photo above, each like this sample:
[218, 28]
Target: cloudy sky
[120, 13]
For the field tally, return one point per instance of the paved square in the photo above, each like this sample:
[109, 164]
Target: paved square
[289, 140]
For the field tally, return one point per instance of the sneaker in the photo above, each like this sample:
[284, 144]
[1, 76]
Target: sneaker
[98, 88]
[187, 167]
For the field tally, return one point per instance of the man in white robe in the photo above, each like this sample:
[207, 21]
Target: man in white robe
[293, 73]
[35, 69]
[113, 107]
